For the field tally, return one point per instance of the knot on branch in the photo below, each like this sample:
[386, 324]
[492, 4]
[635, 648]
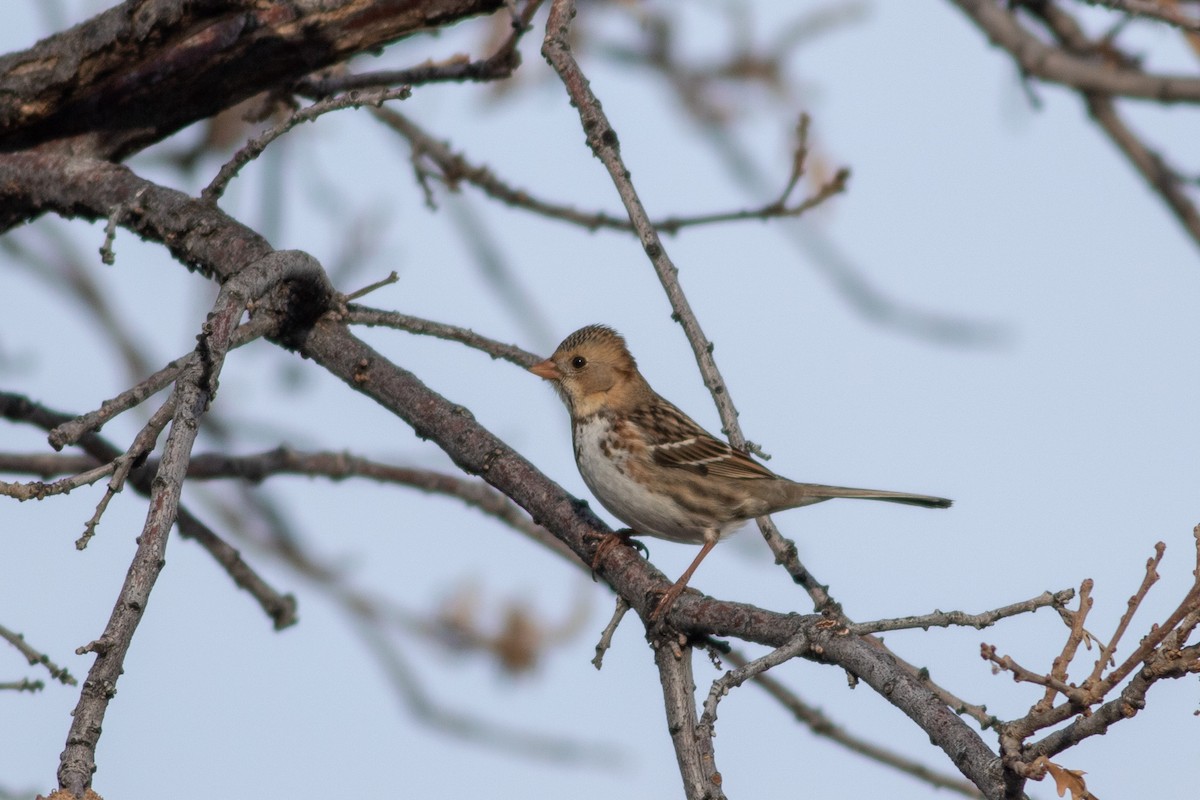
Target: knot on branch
[292, 287]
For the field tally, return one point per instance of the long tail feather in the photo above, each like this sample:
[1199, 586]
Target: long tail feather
[815, 493]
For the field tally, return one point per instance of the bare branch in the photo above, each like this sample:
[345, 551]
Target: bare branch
[35, 657]
[281, 608]
[454, 168]
[70, 432]
[946, 619]
[696, 86]
[1162, 178]
[1058, 66]
[498, 66]
[1106, 653]
[1150, 9]
[392, 277]
[693, 746]
[739, 675]
[135, 74]
[194, 391]
[47, 465]
[143, 443]
[1078, 635]
[372, 317]
[207, 240]
[609, 631]
[37, 490]
[354, 99]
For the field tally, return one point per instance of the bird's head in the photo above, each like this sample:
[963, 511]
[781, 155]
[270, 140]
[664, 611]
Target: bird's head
[592, 370]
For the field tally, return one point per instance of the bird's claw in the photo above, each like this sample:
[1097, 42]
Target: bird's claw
[610, 540]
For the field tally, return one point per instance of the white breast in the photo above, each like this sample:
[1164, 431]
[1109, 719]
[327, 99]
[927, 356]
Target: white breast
[605, 468]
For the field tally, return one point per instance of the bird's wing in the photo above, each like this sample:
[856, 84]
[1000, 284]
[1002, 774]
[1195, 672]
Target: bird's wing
[675, 440]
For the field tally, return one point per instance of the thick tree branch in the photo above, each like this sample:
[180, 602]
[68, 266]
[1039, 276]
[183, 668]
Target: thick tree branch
[1056, 65]
[693, 743]
[137, 73]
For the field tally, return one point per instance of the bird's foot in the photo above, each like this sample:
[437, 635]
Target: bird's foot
[668, 599]
[610, 540]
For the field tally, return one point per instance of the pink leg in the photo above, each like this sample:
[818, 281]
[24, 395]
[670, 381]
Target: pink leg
[677, 588]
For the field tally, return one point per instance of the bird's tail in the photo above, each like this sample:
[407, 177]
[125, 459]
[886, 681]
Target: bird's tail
[805, 493]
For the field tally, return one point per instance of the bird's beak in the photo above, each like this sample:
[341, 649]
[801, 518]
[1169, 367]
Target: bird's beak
[546, 369]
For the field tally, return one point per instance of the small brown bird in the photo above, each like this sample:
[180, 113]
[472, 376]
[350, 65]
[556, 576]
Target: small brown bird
[658, 471]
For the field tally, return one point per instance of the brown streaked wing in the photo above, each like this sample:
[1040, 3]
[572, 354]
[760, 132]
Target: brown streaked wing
[675, 440]
[739, 465]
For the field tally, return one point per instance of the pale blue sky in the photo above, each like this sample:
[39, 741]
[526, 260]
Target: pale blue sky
[1069, 447]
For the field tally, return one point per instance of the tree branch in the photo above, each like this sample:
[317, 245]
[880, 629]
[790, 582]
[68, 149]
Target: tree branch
[1053, 64]
[137, 73]
[194, 391]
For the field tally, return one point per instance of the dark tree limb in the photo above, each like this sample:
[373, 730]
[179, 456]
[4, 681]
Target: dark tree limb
[137, 73]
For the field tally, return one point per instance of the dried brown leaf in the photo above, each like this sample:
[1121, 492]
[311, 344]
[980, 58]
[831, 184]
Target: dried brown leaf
[1069, 780]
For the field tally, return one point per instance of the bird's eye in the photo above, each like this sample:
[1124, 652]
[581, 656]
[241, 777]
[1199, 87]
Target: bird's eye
[578, 362]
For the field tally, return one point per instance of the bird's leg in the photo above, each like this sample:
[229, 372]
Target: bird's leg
[672, 594]
[610, 540]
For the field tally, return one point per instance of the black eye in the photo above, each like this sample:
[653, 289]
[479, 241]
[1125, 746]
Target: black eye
[578, 362]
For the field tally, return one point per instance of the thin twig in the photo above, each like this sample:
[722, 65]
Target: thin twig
[371, 287]
[372, 317]
[844, 276]
[1162, 178]
[1081, 71]
[946, 619]
[38, 490]
[70, 432]
[609, 630]
[1151, 9]
[35, 657]
[1098, 81]
[255, 468]
[1024, 675]
[1110, 647]
[281, 608]
[255, 147]
[1078, 634]
[454, 168]
[142, 444]
[498, 66]
[739, 675]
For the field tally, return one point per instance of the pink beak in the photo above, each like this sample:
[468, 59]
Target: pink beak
[547, 370]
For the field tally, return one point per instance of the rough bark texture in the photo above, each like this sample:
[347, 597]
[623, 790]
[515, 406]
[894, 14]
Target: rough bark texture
[141, 71]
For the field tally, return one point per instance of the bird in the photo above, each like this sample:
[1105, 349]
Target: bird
[656, 469]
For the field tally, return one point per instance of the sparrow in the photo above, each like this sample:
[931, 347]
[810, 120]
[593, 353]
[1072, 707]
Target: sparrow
[658, 471]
